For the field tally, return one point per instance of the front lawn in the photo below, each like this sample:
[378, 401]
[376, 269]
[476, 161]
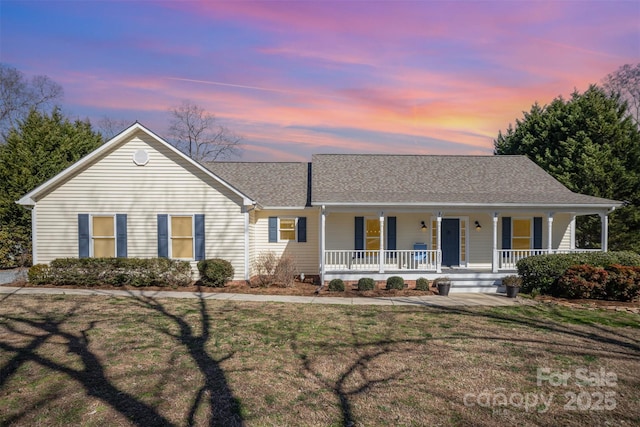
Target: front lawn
[69, 360]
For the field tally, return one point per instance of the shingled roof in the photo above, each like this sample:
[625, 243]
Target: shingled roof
[343, 179]
[411, 180]
[272, 185]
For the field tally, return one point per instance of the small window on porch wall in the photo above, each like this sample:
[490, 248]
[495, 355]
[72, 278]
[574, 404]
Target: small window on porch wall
[372, 234]
[521, 233]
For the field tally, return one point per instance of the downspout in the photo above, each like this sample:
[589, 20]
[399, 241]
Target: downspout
[34, 240]
[246, 241]
[322, 246]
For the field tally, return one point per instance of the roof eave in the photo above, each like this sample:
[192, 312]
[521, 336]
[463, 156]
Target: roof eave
[30, 198]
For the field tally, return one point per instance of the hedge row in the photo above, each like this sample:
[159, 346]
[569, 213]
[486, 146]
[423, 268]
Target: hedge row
[615, 282]
[91, 272]
[541, 272]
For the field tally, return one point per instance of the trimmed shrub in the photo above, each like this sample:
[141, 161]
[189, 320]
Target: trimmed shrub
[336, 285]
[623, 283]
[39, 274]
[541, 272]
[366, 284]
[90, 272]
[395, 282]
[215, 272]
[422, 284]
[616, 282]
[582, 281]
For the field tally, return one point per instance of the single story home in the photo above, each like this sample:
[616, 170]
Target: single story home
[339, 216]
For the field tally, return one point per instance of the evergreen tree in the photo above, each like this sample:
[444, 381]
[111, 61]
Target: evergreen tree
[591, 145]
[40, 147]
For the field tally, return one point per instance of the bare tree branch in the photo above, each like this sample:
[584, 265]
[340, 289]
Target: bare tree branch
[196, 133]
[625, 81]
[109, 127]
[18, 96]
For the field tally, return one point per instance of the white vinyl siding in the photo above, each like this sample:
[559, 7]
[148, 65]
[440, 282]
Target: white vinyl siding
[304, 253]
[116, 184]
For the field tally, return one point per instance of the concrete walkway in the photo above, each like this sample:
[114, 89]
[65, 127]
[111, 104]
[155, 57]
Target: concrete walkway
[453, 300]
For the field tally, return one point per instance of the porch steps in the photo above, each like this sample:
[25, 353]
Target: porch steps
[461, 281]
[472, 281]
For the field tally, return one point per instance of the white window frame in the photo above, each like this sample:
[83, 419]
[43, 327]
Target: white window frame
[295, 229]
[193, 236]
[364, 232]
[92, 237]
[530, 219]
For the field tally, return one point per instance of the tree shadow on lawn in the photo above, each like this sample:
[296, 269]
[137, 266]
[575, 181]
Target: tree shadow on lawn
[223, 407]
[91, 375]
[354, 377]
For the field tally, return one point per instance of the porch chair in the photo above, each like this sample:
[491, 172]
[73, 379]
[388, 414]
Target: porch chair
[420, 256]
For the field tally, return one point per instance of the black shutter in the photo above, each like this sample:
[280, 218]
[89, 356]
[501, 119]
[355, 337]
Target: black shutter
[391, 233]
[359, 233]
[506, 232]
[121, 235]
[84, 238]
[198, 220]
[302, 229]
[537, 232]
[163, 236]
[273, 229]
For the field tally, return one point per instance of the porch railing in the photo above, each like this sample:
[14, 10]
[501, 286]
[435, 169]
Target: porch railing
[408, 260]
[508, 258]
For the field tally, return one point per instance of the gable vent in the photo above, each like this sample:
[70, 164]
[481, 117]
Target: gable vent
[141, 157]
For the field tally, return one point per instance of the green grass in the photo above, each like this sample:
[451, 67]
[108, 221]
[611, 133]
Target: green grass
[89, 360]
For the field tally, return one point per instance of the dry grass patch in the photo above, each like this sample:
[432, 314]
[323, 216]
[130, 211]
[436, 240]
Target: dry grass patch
[139, 361]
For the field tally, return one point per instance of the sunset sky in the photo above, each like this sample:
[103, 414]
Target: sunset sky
[296, 78]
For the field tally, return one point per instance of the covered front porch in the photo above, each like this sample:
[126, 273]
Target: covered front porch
[469, 245]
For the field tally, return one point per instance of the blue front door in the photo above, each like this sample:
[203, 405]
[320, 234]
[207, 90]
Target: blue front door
[450, 242]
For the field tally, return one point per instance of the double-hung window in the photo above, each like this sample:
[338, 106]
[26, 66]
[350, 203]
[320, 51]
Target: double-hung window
[521, 233]
[287, 229]
[102, 235]
[181, 236]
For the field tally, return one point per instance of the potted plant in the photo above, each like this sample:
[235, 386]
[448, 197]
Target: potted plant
[512, 284]
[443, 284]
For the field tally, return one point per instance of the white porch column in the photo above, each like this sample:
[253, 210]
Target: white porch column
[572, 231]
[439, 242]
[494, 247]
[322, 243]
[247, 276]
[381, 253]
[605, 231]
[550, 232]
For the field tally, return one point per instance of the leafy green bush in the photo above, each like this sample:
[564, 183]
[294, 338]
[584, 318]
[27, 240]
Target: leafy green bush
[336, 285]
[366, 284]
[541, 272]
[616, 282]
[422, 284]
[39, 274]
[623, 283]
[90, 272]
[582, 281]
[395, 282]
[215, 272]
